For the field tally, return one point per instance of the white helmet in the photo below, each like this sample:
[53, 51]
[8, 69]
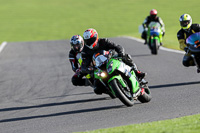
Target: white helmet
[90, 37]
[77, 43]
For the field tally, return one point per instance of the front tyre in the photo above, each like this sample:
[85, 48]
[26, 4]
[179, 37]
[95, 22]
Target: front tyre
[154, 47]
[122, 93]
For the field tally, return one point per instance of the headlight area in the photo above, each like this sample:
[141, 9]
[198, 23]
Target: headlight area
[102, 74]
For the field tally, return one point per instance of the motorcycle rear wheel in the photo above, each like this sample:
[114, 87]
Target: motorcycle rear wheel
[146, 96]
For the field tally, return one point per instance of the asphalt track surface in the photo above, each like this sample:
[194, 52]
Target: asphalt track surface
[36, 94]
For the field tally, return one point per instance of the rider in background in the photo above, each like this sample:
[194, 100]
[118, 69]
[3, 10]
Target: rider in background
[187, 29]
[92, 44]
[75, 59]
[152, 17]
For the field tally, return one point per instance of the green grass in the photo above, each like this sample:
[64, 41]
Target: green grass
[187, 124]
[32, 20]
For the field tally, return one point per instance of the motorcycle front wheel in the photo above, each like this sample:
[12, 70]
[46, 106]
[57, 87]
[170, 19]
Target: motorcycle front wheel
[154, 47]
[122, 93]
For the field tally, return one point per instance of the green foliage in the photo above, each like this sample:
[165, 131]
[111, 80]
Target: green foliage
[188, 124]
[31, 20]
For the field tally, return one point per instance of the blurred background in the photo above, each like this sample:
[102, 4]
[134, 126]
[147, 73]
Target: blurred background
[34, 20]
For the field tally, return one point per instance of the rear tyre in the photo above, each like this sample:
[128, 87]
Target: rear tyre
[146, 95]
[122, 93]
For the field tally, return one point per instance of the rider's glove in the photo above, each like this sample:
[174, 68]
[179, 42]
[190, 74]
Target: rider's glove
[121, 55]
[78, 71]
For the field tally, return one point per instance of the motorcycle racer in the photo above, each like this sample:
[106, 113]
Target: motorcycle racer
[75, 58]
[152, 17]
[94, 43]
[187, 29]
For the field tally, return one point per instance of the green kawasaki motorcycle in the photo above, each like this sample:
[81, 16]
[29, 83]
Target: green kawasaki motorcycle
[118, 80]
[154, 37]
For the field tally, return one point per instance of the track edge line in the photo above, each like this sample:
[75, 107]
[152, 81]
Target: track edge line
[161, 47]
[3, 44]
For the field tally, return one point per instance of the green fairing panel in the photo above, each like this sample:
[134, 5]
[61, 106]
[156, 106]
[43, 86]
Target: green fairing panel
[135, 83]
[115, 63]
[154, 24]
[118, 77]
[95, 74]
[156, 38]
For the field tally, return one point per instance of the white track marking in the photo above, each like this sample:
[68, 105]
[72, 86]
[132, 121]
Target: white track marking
[162, 48]
[2, 46]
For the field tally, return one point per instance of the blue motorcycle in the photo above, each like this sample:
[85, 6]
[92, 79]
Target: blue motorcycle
[193, 44]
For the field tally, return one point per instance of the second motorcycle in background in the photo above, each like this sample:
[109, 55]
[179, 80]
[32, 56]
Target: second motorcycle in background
[154, 37]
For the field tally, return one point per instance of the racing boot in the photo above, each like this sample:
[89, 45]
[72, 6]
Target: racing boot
[140, 75]
[128, 60]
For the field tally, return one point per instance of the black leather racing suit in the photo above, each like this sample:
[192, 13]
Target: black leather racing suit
[103, 44]
[76, 60]
[182, 35]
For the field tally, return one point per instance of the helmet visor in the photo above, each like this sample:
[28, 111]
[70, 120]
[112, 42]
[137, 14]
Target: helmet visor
[90, 41]
[153, 16]
[76, 47]
[185, 23]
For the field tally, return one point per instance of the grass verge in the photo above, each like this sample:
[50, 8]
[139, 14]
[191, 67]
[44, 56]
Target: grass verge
[33, 20]
[187, 124]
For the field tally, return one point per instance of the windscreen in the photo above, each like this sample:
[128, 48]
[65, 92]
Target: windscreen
[154, 24]
[100, 60]
[193, 39]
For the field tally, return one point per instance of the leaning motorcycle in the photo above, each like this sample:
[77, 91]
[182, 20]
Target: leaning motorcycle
[118, 80]
[154, 37]
[193, 47]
